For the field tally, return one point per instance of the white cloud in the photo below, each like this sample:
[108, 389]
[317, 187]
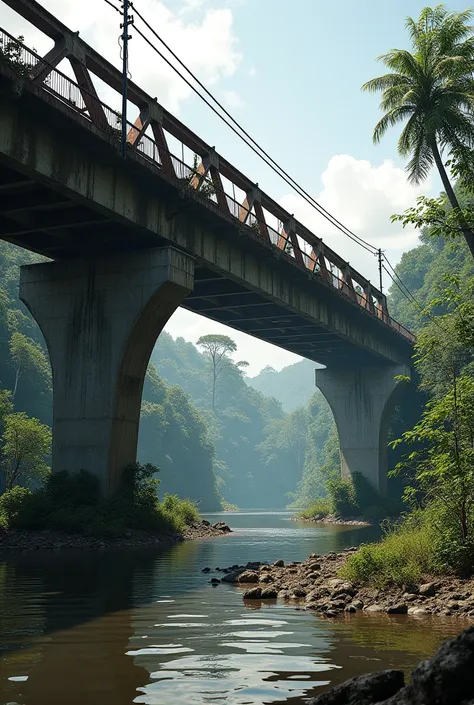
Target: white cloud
[258, 354]
[233, 99]
[252, 72]
[362, 197]
[207, 45]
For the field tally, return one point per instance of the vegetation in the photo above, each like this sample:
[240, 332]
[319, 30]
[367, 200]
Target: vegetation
[437, 534]
[72, 503]
[430, 89]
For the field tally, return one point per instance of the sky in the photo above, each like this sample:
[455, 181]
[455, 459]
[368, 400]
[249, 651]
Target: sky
[290, 72]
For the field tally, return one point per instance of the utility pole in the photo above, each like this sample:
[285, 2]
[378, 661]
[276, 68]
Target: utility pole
[380, 256]
[127, 21]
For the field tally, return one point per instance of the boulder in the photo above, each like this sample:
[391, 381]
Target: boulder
[215, 581]
[231, 577]
[374, 608]
[334, 583]
[206, 570]
[248, 576]
[400, 608]
[266, 579]
[445, 679]
[222, 526]
[299, 592]
[363, 690]
[351, 609]
[280, 563]
[269, 594]
[427, 589]
[252, 594]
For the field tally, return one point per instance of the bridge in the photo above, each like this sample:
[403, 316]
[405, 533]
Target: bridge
[173, 224]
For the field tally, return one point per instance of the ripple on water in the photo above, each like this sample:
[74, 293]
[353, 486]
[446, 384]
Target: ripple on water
[124, 628]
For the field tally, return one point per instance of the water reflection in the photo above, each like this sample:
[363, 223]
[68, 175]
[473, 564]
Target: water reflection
[146, 627]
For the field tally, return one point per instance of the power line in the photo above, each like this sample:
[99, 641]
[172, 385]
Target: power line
[114, 6]
[259, 151]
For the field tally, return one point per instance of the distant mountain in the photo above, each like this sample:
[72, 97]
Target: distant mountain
[293, 386]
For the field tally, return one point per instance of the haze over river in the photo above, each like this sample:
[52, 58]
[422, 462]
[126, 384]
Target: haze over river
[126, 627]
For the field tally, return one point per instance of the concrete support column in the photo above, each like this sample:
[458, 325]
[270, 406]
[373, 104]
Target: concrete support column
[100, 319]
[362, 400]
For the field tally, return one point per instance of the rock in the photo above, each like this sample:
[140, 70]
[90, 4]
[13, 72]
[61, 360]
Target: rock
[205, 522]
[409, 596]
[428, 589]
[445, 679]
[266, 579]
[416, 611]
[334, 583]
[231, 577]
[265, 568]
[279, 563]
[248, 576]
[222, 526]
[206, 570]
[351, 609]
[331, 614]
[374, 608]
[299, 592]
[364, 690]
[401, 608]
[269, 594]
[252, 594]
[358, 604]
[215, 581]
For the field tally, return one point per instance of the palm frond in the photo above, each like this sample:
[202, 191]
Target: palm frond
[390, 119]
[382, 83]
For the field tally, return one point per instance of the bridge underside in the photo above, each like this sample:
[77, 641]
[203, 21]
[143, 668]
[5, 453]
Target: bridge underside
[35, 216]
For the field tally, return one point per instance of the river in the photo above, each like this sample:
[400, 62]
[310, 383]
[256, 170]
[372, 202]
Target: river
[126, 627]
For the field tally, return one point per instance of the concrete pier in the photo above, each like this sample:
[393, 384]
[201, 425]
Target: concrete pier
[362, 400]
[100, 319]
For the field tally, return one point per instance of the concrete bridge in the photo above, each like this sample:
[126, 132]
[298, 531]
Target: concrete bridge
[132, 239]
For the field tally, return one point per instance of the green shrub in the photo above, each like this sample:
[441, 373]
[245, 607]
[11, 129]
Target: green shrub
[317, 509]
[13, 502]
[404, 555]
[72, 503]
[343, 497]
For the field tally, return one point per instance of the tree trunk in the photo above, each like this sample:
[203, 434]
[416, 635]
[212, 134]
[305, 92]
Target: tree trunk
[17, 377]
[466, 231]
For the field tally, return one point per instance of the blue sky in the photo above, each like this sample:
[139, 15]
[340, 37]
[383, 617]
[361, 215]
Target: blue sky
[290, 71]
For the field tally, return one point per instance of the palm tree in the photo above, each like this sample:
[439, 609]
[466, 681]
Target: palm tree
[431, 90]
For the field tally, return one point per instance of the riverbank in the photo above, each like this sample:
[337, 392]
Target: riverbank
[332, 519]
[315, 585]
[26, 541]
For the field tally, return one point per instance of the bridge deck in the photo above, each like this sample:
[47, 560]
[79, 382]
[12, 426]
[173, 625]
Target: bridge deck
[44, 215]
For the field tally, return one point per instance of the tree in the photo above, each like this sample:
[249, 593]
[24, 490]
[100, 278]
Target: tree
[26, 445]
[431, 90]
[27, 356]
[218, 348]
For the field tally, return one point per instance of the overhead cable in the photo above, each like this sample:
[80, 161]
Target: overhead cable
[244, 135]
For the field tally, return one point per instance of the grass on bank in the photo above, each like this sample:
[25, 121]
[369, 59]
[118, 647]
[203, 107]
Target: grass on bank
[73, 504]
[318, 509]
[424, 543]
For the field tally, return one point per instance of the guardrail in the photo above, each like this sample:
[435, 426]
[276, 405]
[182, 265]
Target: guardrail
[293, 241]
